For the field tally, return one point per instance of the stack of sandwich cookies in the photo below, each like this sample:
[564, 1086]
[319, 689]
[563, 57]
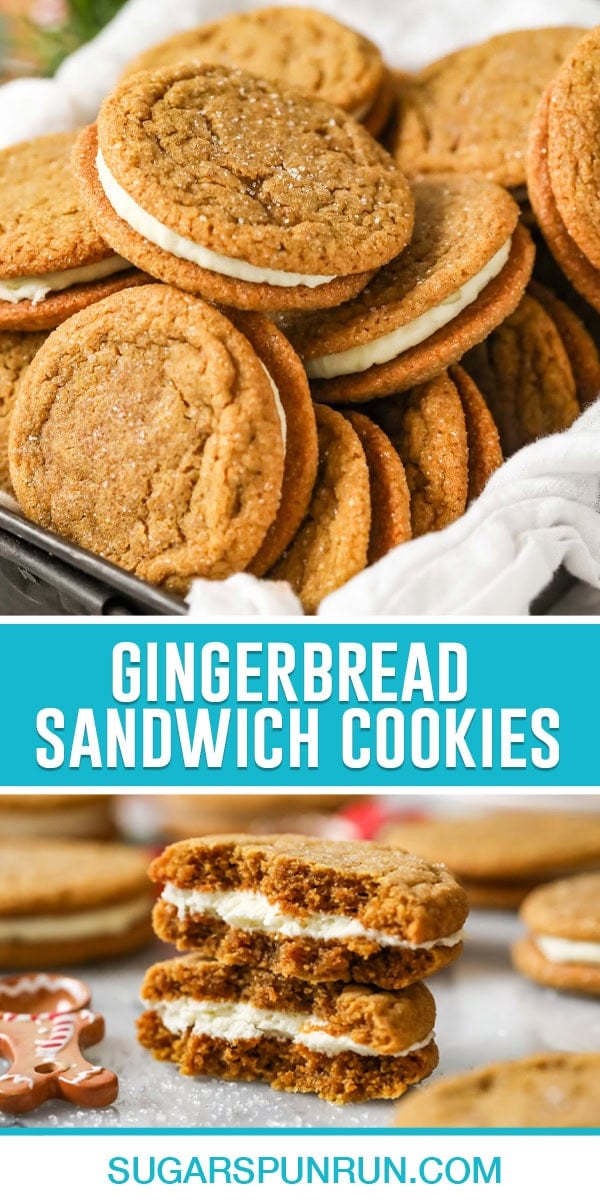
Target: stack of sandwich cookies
[342, 1042]
[65, 901]
[562, 947]
[499, 858]
[304, 48]
[243, 191]
[308, 962]
[427, 307]
[52, 261]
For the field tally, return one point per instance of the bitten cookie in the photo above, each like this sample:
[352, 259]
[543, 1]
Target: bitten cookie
[16, 352]
[244, 191]
[52, 261]
[427, 427]
[502, 856]
[346, 1043]
[465, 270]
[332, 543]
[149, 432]
[390, 496]
[64, 901]
[471, 110]
[524, 373]
[311, 909]
[300, 47]
[562, 949]
[547, 1090]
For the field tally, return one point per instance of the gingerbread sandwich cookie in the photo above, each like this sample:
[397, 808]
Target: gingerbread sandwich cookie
[311, 909]
[52, 261]
[65, 901]
[300, 47]
[50, 815]
[150, 432]
[332, 543]
[500, 857]
[562, 947]
[547, 1090]
[579, 344]
[464, 271]
[390, 495]
[246, 192]
[524, 373]
[471, 110]
[16, 352]
[342, 1042]
[483, 440]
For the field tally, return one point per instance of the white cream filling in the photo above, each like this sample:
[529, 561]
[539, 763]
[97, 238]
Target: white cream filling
[563, 950]
[113, 919]
[383, 349]
[36, 287]
[238, 1021]
[278, 404]
[160, 235]
[67, 822]
[251, 910]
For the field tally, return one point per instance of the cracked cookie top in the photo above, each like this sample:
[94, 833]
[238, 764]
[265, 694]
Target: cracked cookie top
[147, 430]
[255, 171]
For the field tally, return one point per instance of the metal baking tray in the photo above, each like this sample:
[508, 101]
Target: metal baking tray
[43, 575]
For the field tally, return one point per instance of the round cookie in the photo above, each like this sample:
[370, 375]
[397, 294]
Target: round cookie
[525, 375]
[502, 856]
[483, 441]
[547, 1090]
[50, 815]
[464, 271]
[583, 275]
[301, 442]
[296, 210]
[300, 47]
[390, 497]
[67, 901]
[562, 949]
[578, 343]
[16, 352]
[427, 428]
[52, 261]
[147, 431]
[333, 541]
[471, 110]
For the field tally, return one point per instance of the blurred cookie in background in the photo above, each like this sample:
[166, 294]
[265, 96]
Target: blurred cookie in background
[181, 816]
[561, 948]
[500, 857]
[56, 816]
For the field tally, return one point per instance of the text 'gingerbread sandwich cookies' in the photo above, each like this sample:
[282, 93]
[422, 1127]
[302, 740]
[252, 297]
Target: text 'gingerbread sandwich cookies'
[243, 191]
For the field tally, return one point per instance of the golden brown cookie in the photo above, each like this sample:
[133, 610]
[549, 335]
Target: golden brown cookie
[427, 427]
[301, 442]
[504, 854]
[464, 271]
[65, 901]
[583, 275]
[194, 815]
[483, 441]
[16, 353]
[573, 135]
[562, 949]
[578, 343]
[344, 1043]
[300, 47]
[471, 110]
[333, 541]
[547, 1090]
[51, 815]
[390, 497]
[148, 432]
[52, 261]
[309, 908]
[295, 210]
[523, 371]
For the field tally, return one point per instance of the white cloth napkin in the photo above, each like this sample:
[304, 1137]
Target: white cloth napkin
[541, 510]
